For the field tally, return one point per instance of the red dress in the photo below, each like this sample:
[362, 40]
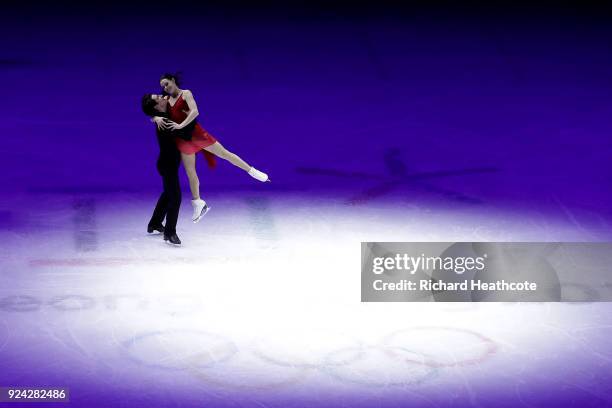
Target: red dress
[200, 138]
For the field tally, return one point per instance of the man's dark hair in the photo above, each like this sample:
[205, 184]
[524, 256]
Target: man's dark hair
[148, 105]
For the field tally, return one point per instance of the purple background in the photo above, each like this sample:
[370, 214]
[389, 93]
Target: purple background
[523, 94]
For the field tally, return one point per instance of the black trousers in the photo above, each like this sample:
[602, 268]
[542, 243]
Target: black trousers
[169, 201]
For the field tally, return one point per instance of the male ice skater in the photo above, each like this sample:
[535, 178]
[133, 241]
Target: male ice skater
[168, 164]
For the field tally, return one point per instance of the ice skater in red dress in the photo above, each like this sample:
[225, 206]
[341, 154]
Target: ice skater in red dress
[182, 113]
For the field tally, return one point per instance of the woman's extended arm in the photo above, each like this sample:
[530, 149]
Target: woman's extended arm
[193, 110]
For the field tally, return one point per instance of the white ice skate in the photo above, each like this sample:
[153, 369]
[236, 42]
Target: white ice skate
[200, 208]
[258, 175]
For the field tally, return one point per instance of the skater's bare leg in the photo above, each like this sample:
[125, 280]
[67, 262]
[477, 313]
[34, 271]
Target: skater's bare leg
[218, 150]
[199, 206]
[192, 175]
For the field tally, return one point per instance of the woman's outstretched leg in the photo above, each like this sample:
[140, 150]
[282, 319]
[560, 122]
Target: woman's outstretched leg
[218, 150]
[199, 206]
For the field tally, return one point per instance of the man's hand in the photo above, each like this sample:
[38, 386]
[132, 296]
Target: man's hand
[173, 125]
[160, 122]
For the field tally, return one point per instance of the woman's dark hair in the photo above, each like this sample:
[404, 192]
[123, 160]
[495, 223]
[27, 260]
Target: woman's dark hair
[148, 105]
[176, 77]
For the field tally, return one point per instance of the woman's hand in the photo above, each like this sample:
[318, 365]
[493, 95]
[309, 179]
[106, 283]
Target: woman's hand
[173, 125]
[160, 122]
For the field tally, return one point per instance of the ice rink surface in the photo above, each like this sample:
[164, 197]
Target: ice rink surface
[261, 307]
